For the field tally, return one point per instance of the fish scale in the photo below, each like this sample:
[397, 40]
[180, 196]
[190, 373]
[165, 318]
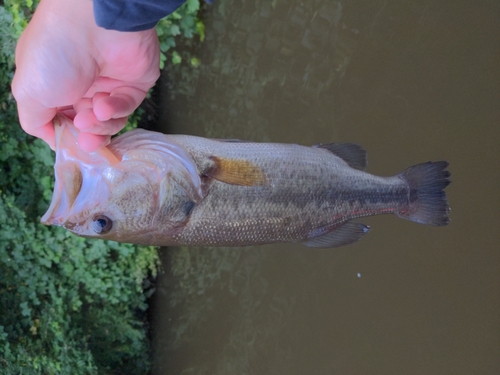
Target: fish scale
[156, 189]
[312, 188]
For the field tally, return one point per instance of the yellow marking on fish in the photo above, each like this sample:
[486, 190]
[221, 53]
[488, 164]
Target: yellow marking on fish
[72, 181]
[236, 172]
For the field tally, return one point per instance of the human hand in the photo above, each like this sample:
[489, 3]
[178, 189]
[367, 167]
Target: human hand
[65, 62]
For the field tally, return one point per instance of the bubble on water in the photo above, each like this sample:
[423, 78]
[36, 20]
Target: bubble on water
[359, 275]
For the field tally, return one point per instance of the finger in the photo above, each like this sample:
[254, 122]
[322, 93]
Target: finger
[83, 104]
[121, 102]
[36, 120]
[87, 122]
[46, 133]
[98, 96]
[91, 142]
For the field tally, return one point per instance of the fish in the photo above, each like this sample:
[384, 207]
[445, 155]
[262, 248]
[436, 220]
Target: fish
[150, 188]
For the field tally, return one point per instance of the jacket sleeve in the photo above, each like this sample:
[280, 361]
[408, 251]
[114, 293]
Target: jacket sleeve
[132, 15]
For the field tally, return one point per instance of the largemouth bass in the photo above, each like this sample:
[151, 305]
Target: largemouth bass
[155, 189]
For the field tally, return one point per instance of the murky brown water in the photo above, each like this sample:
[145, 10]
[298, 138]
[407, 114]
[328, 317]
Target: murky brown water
[411, 81]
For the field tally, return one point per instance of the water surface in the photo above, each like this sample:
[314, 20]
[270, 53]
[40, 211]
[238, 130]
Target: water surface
[410, 81]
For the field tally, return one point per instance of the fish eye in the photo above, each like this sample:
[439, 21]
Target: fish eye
[101, 224]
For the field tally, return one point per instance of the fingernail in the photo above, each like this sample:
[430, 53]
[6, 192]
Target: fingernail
[83, 125]
[85, 120]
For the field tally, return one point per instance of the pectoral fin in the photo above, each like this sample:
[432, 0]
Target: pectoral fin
[236, 172]
[344, 235]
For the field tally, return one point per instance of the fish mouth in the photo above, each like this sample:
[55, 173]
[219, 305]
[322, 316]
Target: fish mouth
[67, 186]
[60, 201]
[71, 167]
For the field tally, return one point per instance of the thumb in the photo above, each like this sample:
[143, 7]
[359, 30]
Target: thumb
[36, 120]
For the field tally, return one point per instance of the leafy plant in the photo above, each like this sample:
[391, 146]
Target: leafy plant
[183, 22]
[68, 305]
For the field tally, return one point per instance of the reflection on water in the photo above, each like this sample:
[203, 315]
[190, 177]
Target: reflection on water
[410, 81]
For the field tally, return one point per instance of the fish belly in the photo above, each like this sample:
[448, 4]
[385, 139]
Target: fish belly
[306, 193]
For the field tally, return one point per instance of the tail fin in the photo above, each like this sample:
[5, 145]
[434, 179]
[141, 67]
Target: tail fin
[427, 200]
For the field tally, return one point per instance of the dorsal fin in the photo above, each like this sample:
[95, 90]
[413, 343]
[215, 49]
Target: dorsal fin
[230, 140]
[236, 172]
[351, 153]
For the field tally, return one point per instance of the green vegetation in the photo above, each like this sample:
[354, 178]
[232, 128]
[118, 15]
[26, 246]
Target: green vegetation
[183, 22]
[68, 305]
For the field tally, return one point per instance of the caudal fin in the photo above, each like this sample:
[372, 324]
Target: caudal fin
[427, 199]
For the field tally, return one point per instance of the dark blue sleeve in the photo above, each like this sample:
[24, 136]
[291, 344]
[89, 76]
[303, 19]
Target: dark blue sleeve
[132, 15]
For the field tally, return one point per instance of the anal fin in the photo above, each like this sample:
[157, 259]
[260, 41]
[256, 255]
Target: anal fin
[344, 235]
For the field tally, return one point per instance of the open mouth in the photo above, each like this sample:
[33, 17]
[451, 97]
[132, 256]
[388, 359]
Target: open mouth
[70, 166]
[67, 186]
